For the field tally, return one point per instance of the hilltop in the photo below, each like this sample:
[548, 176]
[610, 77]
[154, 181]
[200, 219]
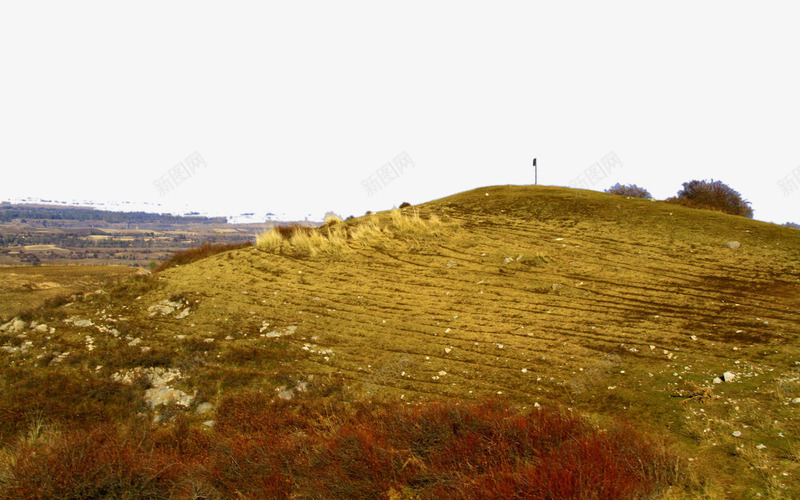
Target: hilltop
[544, 297]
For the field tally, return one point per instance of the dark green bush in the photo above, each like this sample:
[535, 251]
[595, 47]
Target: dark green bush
[631, 190]
[713, 195]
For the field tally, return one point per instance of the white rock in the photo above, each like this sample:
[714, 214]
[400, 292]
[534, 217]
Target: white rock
[796, 401]
[732, 244]
[736, 433]
[728, 377]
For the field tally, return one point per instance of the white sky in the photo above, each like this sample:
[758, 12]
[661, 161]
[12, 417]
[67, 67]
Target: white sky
[292, 105]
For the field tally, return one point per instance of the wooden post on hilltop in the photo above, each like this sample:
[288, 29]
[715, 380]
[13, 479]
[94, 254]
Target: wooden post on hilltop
[535, 173]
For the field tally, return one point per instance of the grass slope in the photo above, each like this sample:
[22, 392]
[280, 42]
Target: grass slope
[615, 308]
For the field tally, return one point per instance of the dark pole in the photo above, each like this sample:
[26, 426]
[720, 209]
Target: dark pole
[535, 173]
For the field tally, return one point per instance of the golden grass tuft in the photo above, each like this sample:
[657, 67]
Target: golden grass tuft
[270, 241]
[369, 234]
[332, 219]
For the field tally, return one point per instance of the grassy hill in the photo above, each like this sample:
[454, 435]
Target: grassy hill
[615, 309]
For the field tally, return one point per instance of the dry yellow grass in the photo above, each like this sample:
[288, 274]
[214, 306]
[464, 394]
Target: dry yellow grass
[270, 241]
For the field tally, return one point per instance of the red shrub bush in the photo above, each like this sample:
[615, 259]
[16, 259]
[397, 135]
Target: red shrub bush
[265, 449]
[201, 252]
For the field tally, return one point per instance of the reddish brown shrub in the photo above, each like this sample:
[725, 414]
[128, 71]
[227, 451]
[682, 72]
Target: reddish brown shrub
[280, 449]
[201, 252]
[288, 231]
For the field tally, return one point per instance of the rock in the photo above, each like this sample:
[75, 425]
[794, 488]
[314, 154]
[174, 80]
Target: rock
[452, 263]
[556, 286]
[17, 326]
[75, 320]
[209, 423]
[41, 329]
[164, 307]
[760, 446]
[165, 394]
[717, 380]
[160, 392]
[204, 408]
[736, 434]
[732, 244]
[728, 377]
[507, 260]
[183, 314]
[796, 401]
[289, 330]
[285, 394]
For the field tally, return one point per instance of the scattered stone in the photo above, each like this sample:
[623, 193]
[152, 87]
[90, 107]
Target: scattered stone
[13, 326]
[183, 313]
[796, 401]
[452, 263]
[165, 394]
[736, 434]
[728, 377]
[209, 423]
[556, 286]
[41, 328]
[159, 379]
[717, 380]
[204, 408]
[75, 320]
[507, 260]
[732, 244]
[760, 446]
[59, 358]
[284, 393]
[289, 330]
[164, 307]
[135, 342]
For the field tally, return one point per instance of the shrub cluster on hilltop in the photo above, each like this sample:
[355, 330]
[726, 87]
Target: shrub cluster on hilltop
[631, 190]
[705, 194]
[712, 195]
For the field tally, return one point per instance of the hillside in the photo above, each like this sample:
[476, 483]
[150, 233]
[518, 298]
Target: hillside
[619, 309]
